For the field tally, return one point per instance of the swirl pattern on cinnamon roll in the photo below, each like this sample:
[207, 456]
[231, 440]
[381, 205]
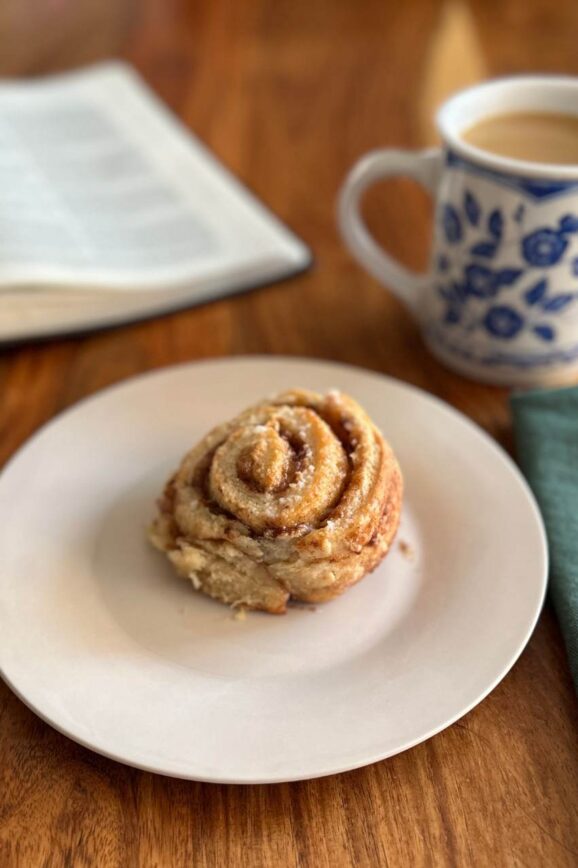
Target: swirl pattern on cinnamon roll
[297, 497]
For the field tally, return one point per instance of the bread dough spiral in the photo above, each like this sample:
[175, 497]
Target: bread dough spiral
[297, 497]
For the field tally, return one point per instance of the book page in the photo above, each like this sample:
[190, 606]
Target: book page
[101, 185]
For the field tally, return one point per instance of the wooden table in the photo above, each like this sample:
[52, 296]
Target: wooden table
[289, 94]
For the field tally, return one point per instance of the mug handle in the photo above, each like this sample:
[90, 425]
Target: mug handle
[424, 167]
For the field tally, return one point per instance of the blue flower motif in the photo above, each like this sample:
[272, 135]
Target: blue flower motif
[452, 224]
[544, 247]
[503, 322]
[483, 282]
[480, 281]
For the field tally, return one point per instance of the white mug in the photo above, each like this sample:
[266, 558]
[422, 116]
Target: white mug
[500, 299]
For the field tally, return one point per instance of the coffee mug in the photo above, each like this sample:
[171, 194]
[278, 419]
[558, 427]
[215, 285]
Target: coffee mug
[499, 302]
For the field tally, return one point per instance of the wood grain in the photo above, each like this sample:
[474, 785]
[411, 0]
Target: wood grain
[289, 95]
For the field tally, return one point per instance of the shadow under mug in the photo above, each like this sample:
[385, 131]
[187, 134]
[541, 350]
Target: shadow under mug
[499, 302]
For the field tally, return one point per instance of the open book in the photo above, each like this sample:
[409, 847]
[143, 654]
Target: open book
[112, 210]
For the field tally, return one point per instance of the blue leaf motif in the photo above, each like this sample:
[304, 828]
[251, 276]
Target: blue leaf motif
[507, 276]
[569, 223]
[545, 332]
[445, 293]
[484, 248]
[452, 316]
[451, 223]
[472, 208]
[460, 291]
[496, 223]
[519, 213]
[536, 293]
[558, 302]
[443, 263]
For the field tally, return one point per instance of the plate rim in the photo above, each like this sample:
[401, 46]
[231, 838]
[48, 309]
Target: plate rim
[433, 400]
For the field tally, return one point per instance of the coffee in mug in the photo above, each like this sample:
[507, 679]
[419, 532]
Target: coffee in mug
[541, 137]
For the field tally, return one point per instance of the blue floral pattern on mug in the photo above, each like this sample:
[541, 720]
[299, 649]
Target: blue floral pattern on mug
[471, 208]
[480, 281]
[483, 282]
[452, 224]
[546, 246]
[467, 282]
[503, 322]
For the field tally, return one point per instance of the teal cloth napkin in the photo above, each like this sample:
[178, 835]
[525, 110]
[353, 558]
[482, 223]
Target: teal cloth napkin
[546, 429]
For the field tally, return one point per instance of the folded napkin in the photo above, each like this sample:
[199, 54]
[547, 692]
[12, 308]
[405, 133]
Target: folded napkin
[546, 428]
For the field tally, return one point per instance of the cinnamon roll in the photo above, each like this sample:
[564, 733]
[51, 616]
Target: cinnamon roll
[297, 497]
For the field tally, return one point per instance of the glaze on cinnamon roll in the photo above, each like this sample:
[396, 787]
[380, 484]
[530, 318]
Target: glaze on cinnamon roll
[298, 497]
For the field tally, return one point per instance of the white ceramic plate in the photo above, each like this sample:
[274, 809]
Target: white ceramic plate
[103, 642]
